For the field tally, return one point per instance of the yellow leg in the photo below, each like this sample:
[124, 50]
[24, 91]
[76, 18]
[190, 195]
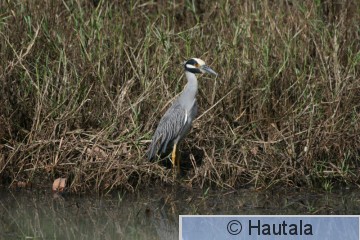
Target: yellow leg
[173, 156]
[175, 159]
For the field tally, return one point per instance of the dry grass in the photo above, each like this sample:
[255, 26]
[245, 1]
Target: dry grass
[83, 87]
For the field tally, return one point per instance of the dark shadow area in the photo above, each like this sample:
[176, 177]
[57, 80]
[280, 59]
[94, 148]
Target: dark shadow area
[190, 159]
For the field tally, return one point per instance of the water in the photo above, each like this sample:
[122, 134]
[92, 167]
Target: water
[150, 213]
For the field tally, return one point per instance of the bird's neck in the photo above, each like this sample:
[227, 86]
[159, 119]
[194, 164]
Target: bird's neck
[188, 95]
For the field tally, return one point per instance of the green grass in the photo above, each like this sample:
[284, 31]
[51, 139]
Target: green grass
[83, 88]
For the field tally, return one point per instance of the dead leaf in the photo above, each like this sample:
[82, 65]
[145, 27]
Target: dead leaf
[59, 185]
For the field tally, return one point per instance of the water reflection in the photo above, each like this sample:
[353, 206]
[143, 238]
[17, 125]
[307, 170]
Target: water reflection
[150, 213]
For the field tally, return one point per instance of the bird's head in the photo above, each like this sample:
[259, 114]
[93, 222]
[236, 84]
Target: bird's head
[196, 65]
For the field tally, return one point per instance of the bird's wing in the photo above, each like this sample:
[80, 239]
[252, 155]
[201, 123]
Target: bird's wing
[169, 128]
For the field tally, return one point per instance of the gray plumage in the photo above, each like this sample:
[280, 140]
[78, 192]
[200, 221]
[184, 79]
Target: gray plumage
[172, 128]
[177, 120]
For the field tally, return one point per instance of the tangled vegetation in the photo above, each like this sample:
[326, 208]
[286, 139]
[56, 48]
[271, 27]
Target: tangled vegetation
[84, 83]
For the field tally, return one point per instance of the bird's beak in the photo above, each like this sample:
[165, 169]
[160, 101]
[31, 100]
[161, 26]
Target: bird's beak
[207, 69]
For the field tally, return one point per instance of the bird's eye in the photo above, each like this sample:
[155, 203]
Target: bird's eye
[197, 65]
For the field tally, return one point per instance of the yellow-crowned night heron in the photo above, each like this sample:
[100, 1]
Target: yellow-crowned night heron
[176, 122]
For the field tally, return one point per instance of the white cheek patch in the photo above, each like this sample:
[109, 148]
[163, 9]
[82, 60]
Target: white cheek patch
[190, 66]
